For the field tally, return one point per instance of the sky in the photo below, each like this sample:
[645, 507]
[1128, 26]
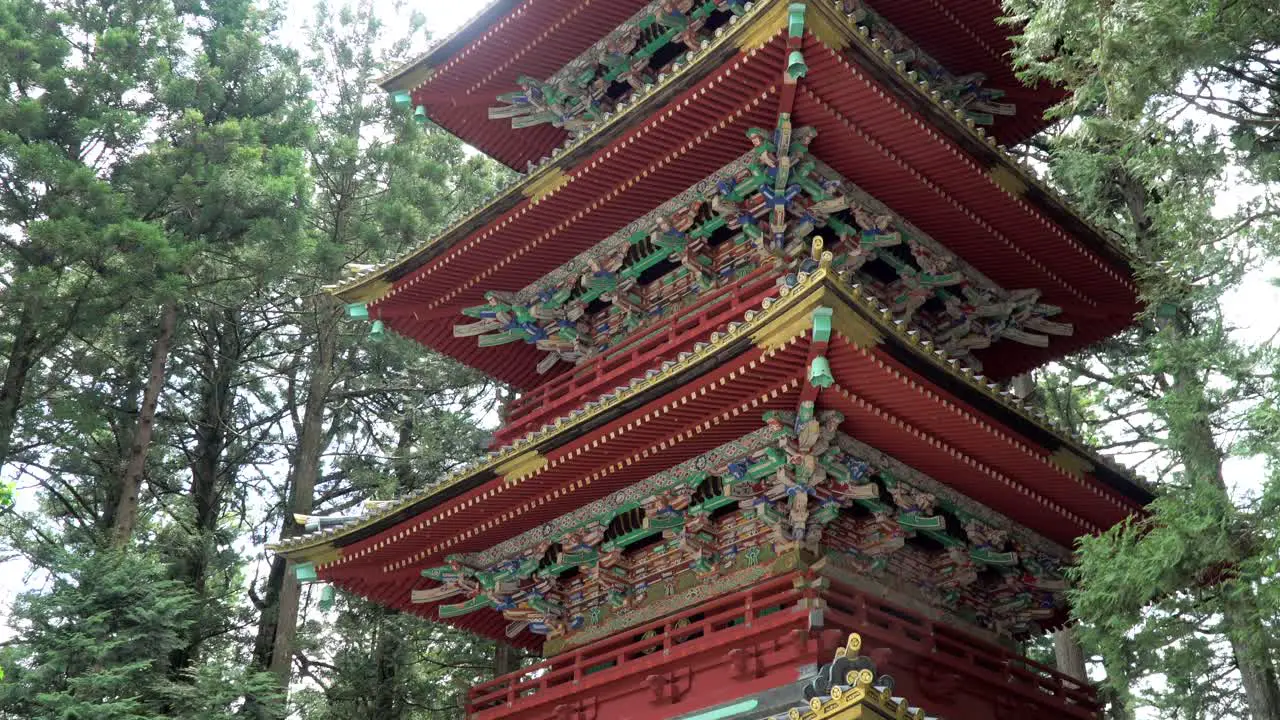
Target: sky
[1253, 309]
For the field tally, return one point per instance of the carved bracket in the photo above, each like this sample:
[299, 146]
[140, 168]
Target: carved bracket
[577, 710]
[937, 682]
[670, 687]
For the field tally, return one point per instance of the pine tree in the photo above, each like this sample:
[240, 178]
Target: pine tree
[382, 185]
[79, 90]
[1184, 593]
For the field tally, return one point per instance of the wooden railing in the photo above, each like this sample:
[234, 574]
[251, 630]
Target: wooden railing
[646, 347]
[969, 657]
[609, 657]
[979, 667]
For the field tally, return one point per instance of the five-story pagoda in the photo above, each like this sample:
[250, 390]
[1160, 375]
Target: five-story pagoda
[758, 287]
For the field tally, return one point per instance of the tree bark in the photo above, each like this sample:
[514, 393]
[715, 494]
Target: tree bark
[222, 353]
[1257, 675]
[22, 357]
[125, 515]
[1191, 439]
[386, 666]
[388, 644]
[506, 659]
[1068, 655]
[278, 606]
[306, 469]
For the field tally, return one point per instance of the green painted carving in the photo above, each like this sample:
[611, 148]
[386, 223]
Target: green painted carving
[791, 482]
[796, 68]
[478, 602]
[358, 311]
[988, 557]
[711, 505]
[327, 597]
[820, 372]
[772, 204]
[305, 572]
[592, 85]
[622, 541]
[401, 98]
[822, 324]
[917, 521]
[795, 19]
[981, 104]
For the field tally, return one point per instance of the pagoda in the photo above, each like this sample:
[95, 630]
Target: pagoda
[760, 286]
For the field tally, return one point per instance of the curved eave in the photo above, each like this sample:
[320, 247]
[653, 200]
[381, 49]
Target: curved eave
[836, 31]
[970, 196]
[569, 161]
[526, 234]
[966, 35]
[468, 33]
[548, 35]
[459, 78]
[756, 365]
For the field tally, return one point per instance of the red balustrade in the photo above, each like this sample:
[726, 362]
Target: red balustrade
[644, 348]
[768, 627]
[882, 623]
[604, 660]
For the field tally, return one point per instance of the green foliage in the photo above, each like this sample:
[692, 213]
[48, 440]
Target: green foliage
[387, 665]
[90, 647]
[1172, 106]
[198, 162]
[1134, 58]
[80, 90]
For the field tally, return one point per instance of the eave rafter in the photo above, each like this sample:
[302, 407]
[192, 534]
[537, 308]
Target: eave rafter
[559, 202]
[777, 334]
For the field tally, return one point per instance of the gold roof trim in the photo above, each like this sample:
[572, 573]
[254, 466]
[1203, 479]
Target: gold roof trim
[852, 308]
[698, 61]
[1013, 175]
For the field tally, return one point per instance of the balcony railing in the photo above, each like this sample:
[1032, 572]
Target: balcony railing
[971, 658]
[646, 347]
[600, 661]
[775, 606]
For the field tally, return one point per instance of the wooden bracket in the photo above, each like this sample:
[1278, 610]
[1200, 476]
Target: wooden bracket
[937, 682]
[577, 710]
[668, 688]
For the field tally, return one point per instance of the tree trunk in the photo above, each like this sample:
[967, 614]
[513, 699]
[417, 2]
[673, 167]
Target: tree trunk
[1191, 439]
[1068, 654]
[506, 659]
[1243, 621]
[125, 515]
[22, 357]
[1194, 441]
[278, 606]
[221, 360]
[389, 644]
[306, 470]
[386, 667]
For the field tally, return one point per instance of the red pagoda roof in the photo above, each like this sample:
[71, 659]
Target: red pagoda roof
[459, 79]
[895, 393]
[877, 126]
